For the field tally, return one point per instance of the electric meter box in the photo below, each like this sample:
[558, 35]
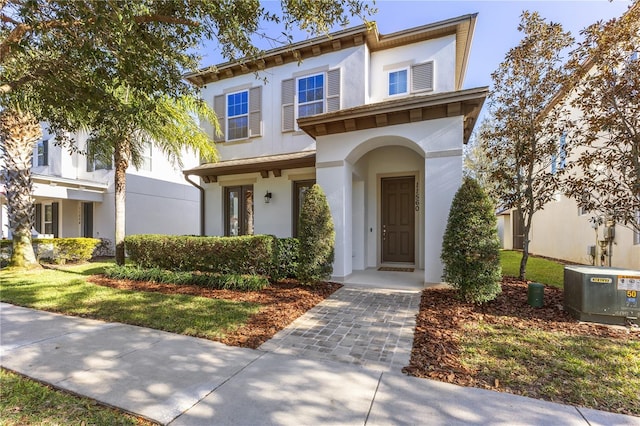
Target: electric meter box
[600, 294]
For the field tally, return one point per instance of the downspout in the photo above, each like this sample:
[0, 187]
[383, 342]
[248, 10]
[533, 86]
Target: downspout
[202, 206]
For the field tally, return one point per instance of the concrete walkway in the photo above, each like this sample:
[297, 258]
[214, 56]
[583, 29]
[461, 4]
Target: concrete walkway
[180, 380]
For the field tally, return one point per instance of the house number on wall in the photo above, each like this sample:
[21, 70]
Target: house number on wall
[417, 196]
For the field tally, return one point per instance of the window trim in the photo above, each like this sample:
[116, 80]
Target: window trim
[228, 117]
[147, 159]
[407, 83]
[42, 158]
[297, 96]
[636, 234]
[242, 211]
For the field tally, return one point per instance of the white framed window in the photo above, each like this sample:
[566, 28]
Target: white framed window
[41, 156]
[559, 160]
[310, 95]
[398, 82]
[238, 115]
[97, 162]
[147, 157]
[47, 219]
[636, 234]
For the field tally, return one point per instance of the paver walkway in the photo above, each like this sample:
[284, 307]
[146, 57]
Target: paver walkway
[363, 326]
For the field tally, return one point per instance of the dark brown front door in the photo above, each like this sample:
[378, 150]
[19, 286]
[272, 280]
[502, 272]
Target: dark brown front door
[398, 220]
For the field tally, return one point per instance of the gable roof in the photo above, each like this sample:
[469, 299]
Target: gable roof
[462, 27]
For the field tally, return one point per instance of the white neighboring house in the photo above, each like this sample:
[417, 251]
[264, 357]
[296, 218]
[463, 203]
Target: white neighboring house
[564, 231]
[377, 120]
[74, 195]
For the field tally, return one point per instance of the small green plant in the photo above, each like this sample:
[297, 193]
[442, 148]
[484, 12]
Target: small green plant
[470, 247]
[202, 279]
[317, 237]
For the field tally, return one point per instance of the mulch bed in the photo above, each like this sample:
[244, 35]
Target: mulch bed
[282, 303]
[439, 327]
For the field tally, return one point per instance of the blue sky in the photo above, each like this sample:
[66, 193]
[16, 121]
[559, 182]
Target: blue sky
[496, 28]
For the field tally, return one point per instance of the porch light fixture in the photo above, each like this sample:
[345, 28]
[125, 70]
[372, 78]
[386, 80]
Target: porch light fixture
[267, 197]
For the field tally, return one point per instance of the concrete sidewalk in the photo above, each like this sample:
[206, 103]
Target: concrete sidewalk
[180, 380]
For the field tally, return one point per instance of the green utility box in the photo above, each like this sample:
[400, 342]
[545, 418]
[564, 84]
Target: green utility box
[535, 295]
[600, 294]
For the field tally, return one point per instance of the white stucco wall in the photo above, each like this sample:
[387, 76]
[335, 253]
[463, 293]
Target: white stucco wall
[559, 232]
[441, 51]
[351, 61]
[272, 218]
[438, 143]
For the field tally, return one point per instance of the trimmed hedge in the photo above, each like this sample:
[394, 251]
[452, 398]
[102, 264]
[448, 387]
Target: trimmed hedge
[317, 238]
[202, 279]
[470, 247]
[243, 255]
[288, 255]
[57, 250]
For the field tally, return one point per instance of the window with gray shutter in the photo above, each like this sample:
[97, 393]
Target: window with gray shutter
[288, 107]
[219, 105]
[255, 111]
[422, 77]
[333, 90]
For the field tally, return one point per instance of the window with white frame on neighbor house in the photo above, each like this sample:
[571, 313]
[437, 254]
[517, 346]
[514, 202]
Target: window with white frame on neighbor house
[147, 157]
[559, 160]
[398, 82]
[96, 161]
[636, 233]
[238, 115]
[310, 95]
[42, 153]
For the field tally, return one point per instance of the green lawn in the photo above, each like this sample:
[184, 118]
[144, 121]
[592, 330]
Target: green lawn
[538, 269]
[27, 402]
[581, 370]
[67, 291]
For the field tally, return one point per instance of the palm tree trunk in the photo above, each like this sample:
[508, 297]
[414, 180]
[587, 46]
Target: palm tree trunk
[121, 158]
[19, 131]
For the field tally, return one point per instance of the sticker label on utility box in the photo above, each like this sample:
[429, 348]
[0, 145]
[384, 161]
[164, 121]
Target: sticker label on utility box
[628, 283]
[602, 280]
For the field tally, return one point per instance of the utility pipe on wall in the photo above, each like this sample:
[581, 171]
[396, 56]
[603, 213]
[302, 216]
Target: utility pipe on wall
[202, 205]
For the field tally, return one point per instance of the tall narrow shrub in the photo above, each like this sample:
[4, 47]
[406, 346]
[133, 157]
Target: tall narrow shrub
[317, 237]
[470, 248]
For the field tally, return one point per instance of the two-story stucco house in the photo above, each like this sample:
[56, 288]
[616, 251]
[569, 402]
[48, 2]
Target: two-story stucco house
[74, 195]
[378, 121]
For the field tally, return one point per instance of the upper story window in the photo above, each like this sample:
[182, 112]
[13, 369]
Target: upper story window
[97, 162]
[398, 81]
[636, 233]
[559, 160]
[147, 156]
[310, 95]
[41, 157]
[403, 79]
[239, 114]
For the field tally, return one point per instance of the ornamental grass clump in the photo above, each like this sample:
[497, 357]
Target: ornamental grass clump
[317, 238]
[470, 247]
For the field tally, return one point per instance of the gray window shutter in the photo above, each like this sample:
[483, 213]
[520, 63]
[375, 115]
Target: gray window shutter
[219, 106]
[38, 218]
[288, 98]
[255, 111]
[422, 77]
[45, 153]
[333, 90]
[54, 218]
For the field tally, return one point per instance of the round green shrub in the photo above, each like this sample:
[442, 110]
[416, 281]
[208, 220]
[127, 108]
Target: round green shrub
[317, 237]
[471, 248]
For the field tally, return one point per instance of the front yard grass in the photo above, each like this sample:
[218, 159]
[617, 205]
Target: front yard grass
[539, 269]
[27, 402]
[66, 290]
